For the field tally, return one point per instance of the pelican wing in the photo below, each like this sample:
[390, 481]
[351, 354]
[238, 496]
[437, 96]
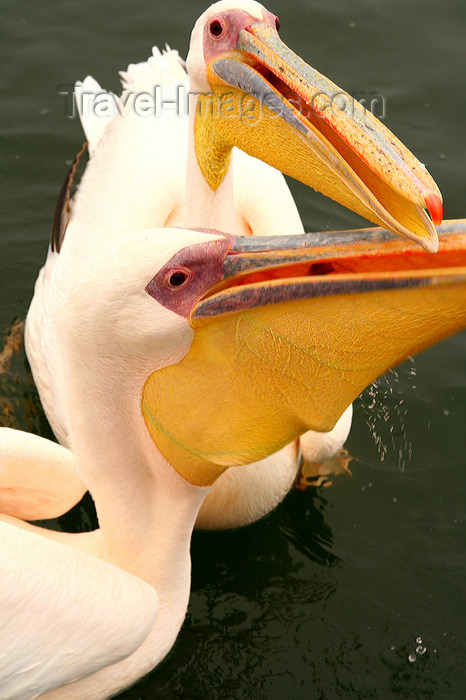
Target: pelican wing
[64, 614]
[37, 477]
[87, 94]
[97, 107]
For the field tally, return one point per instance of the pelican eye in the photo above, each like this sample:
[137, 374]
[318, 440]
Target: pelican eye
[216, 28]
[277, 24]
[177, 278]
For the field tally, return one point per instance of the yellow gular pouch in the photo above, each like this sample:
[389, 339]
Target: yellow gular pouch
[256, 379]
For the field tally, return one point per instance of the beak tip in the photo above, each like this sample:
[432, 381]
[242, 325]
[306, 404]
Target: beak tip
[430, 245]
[433, 202]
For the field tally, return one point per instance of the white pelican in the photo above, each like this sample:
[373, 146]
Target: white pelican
[247, 89]
[162, 337]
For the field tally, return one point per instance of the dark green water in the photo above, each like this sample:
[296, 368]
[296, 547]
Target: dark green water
[324, 598]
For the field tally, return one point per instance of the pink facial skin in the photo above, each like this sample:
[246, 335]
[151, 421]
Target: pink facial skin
[222, 31]
[189, 275]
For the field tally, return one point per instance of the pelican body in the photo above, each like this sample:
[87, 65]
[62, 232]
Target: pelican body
[174, 170]
[159, 322]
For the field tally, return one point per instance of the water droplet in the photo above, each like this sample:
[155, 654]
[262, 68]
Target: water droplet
[412, 658]
[418, 640]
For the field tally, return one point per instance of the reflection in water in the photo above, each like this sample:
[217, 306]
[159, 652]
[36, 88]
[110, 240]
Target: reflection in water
[20, 406]
[305, 527]
[13, 343]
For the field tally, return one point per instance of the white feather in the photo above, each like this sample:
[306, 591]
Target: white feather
[86, 94]
[65, 615]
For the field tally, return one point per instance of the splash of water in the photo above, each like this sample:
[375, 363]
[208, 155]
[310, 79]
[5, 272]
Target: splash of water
[386, 410]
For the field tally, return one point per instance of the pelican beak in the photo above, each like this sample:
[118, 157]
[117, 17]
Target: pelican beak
[292, 333]
[275, 107]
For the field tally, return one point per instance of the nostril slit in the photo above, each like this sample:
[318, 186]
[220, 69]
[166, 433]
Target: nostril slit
[321, 268]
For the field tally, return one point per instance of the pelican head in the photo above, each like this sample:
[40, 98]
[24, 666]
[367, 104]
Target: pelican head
[228, 348]
[255, 93]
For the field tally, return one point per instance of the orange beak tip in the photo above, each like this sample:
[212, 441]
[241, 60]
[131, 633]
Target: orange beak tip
[434, 206]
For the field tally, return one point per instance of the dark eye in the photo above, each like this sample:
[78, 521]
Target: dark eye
[277, 24]
[216, 28]
[177, 278]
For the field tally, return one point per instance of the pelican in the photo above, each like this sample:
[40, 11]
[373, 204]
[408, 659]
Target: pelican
[149, 333]
[246, 90]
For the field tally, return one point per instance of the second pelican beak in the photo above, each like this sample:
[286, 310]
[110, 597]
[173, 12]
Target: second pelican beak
[304, 125]
[291, 334]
